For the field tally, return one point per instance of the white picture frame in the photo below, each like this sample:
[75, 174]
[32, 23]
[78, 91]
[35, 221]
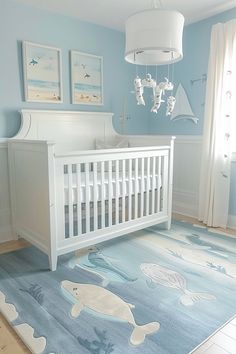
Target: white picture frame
[86, 78]
[42, 73]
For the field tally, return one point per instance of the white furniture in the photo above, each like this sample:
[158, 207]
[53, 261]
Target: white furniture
[66, 195]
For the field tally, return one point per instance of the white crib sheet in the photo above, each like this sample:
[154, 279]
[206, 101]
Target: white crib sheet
[157, 184]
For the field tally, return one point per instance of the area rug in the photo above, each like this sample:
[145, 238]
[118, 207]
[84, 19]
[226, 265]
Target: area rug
[151, 292]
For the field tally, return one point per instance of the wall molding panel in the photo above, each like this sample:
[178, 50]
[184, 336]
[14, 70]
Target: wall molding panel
[187, 161]
[232, 222]
[185, 203]
[5, 209]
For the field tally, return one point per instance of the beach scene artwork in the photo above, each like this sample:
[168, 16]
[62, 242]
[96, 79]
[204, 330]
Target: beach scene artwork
[86, 77]
[42, 73]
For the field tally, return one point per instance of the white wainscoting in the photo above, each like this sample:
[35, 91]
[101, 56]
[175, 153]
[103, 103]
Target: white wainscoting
[187, 160]
[232, 222]
[5, 212]
[185, 189]
[232, 218]
[187, 163]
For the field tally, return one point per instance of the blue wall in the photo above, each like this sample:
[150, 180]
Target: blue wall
[19, 22]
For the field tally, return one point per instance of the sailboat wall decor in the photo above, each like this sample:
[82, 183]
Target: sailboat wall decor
[182, 108]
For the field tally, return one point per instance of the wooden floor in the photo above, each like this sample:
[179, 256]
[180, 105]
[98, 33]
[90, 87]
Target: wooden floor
[222, 342]
[10, 343]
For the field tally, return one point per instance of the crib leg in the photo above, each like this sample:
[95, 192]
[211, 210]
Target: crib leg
[167, 224]
[52, 262]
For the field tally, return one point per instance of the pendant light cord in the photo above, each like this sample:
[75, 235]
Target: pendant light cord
[172, 78]
[155, 4]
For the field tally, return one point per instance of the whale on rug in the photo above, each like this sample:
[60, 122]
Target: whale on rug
[103, 302]
[171, 279]
[97, 261]
[197, 242]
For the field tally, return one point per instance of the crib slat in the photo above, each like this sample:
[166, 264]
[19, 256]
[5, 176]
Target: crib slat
[102, 196]
[158, 201]
[130, 191]
[95, 197]
[61, 194]
[153, 183]
[142, 188]
[70, 201]
[110, 193]
[165, 183]
[147, 185]
[123, 190]
[78, 181]
[136, 188]
[134, 185]
[87, 202]
[117, 191]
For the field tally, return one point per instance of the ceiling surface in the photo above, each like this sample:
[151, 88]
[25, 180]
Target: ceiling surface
[113, 13]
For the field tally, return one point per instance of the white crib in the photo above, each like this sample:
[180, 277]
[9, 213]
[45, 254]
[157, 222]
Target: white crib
[66, 195]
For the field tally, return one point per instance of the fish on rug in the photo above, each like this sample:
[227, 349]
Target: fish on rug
[153, 291]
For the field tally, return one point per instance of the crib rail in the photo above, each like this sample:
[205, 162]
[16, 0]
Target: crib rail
[96, 191]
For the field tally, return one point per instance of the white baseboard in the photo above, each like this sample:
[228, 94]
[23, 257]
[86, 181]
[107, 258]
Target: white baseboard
[232, 222]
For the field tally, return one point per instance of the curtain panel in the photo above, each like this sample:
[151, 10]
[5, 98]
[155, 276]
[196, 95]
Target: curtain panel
[216, 149]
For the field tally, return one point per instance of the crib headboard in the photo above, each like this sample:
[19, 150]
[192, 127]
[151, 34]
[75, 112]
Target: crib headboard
[68, 129]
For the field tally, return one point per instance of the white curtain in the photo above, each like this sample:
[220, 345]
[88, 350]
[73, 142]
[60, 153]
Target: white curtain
[220, 103]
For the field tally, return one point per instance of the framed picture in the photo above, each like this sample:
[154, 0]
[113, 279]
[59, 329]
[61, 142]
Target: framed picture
[86, 78]
[42, 73]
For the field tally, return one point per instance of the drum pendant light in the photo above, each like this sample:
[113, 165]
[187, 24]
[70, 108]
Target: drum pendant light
[154, 37]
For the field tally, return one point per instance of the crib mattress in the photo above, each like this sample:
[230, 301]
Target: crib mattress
[126, 186]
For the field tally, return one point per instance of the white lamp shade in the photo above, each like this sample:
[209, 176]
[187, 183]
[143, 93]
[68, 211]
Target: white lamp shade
[154, 37]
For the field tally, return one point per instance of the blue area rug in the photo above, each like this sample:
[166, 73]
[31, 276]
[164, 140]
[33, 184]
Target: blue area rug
[152, 292]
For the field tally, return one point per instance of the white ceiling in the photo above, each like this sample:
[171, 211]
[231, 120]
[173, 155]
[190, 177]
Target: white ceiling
[113, 13]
